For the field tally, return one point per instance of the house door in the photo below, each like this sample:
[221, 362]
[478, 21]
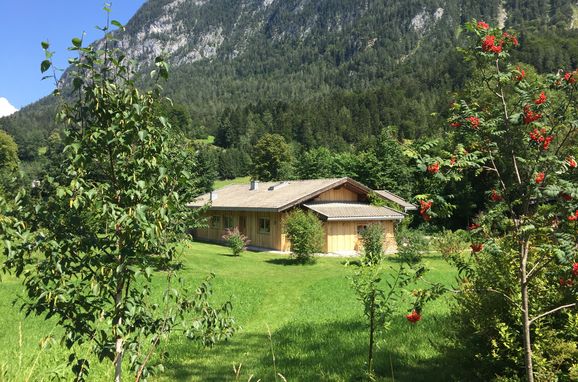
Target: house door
[243, 224]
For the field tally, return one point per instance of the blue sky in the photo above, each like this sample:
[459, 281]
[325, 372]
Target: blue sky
[24, 24]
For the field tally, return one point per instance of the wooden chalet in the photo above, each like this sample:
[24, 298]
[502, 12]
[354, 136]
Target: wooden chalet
[258, 210]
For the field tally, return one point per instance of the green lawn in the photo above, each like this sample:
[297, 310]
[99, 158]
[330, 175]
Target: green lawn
[209, 140]
[222, 183]
[317, 329]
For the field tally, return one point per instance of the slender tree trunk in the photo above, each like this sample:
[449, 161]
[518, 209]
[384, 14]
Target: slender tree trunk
[118, 359]
[526, 312]
[371, 332]
[119, 344]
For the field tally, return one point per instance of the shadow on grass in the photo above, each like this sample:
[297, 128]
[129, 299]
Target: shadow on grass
[337, 351]
[289, 261]
[327, 351]
[353, 263]
[229, 255]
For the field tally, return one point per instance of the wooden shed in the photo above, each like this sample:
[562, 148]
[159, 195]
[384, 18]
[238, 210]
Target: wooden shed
[258, 209]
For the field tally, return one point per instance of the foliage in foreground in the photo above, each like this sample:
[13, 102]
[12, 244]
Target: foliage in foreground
[87, 243]
[520, 130]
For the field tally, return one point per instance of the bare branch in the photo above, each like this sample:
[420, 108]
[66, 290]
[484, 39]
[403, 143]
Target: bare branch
[552, 311]
[503, 294]
[539, 266]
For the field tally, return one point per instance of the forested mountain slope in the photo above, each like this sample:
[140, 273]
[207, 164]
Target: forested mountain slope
[319, 72]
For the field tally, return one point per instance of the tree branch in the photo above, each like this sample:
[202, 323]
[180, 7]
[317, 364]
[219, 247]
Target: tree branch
[552, 311]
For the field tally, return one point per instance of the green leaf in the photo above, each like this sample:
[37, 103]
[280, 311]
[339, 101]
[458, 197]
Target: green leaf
[45, 65]
[45, 44]
[117, 24]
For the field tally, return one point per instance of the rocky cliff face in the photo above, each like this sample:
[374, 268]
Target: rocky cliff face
[187, 31]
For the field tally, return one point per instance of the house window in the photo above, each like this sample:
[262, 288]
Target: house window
[264, 225]
[215, 222]
[228, 222]
[361, 229]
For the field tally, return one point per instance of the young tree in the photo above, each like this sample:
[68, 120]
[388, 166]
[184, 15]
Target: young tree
[372, 238]
[384, 289]
[87, 244]
[305, 231]
[520, 129]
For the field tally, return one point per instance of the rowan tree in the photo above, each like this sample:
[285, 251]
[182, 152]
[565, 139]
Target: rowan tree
[521, 130]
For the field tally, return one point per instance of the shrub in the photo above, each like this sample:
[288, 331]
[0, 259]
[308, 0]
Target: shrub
[410, 245]
[450, 243]
[236, 240]
[305, 231]
[372, 238]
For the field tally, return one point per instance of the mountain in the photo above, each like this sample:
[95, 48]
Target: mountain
[319, 72]
[6, 108]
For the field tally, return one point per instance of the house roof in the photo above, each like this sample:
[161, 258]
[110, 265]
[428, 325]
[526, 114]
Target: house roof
[343, 211]
[396, 199]
[273, 196]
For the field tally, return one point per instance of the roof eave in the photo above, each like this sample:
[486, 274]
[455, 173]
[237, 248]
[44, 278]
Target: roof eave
[338, 182]
[363, 218]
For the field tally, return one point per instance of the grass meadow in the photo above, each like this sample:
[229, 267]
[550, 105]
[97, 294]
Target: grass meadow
[307, 316]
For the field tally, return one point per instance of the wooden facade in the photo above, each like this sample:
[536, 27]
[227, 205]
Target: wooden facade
[250, 223]
[344, 236]
[265, 229]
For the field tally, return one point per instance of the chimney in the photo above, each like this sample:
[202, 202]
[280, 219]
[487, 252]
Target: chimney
[278, 186]
[212, 196]
[254, 185]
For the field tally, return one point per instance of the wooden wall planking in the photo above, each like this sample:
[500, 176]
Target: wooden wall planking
[338, 194]
[342, 236]
[275, 239]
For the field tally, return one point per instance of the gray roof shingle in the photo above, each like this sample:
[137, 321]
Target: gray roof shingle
[342, 211]
[396, 199]
[270, 196]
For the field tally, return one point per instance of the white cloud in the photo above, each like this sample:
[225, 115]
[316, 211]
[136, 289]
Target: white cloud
[6, 108]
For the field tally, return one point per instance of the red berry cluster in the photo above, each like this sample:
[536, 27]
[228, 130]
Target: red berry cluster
[424, 208]
[513, 39]
[530, 115]
[413, 317]
[541, 138]
[473, 226]
[433, 168]
[570, 281]
[541, 99]
[520, 74]
[574, 217]
[539, 178]
[483, 25]
[477, 247]
[489, 44]
[474, 122]
[495, 196]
